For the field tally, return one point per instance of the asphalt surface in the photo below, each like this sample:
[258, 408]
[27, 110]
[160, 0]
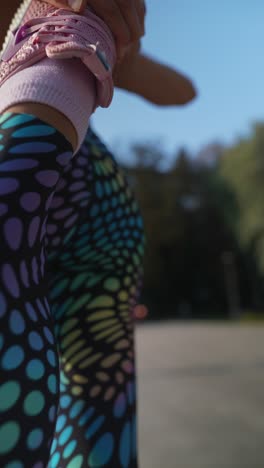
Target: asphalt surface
[201, 395]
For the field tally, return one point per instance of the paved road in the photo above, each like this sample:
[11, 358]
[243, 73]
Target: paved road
[201, 395]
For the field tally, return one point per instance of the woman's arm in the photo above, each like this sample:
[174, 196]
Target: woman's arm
[138, 73]
[154, 81]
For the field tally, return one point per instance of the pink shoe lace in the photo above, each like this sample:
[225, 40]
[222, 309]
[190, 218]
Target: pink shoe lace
[60, 34]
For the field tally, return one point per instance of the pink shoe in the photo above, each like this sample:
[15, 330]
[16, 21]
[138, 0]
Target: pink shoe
[39, 30]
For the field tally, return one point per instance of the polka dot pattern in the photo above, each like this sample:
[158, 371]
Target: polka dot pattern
[15, 464]
[17, 322]
[35, 439]
[9, 435]
[125, 446]
[102, 451]
[9, 394]
[34, 403]
[81, 214]
[35, 369]
[32, 157]
[93, 309]
[12, 358]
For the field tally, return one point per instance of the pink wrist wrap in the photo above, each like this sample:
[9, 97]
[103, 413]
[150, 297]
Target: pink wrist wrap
[55, 57]
[65, 85]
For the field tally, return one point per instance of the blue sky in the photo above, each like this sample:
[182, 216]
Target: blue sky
[219, 44]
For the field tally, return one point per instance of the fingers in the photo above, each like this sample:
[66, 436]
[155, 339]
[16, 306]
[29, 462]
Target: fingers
[109, 11]
[124, 18]
[129, 12]
[75, 5]
[124, 70]
[141, 11]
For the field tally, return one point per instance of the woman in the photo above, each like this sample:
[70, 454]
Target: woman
[74, 309]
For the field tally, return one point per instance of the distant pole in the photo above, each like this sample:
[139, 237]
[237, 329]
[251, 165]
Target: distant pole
[231, 284]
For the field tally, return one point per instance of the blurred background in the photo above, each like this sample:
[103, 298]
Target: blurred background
[198, 170]
[198, 173]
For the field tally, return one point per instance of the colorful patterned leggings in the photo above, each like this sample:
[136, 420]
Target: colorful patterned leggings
[72, 242]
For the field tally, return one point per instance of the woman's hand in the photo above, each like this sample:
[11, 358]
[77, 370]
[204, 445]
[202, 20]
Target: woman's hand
[154, 81]
[124, 71]
[125, 18]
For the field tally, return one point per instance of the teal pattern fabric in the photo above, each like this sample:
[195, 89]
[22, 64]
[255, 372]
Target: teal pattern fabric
[72, 245]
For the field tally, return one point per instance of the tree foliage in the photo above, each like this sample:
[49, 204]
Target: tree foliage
[204, 227]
